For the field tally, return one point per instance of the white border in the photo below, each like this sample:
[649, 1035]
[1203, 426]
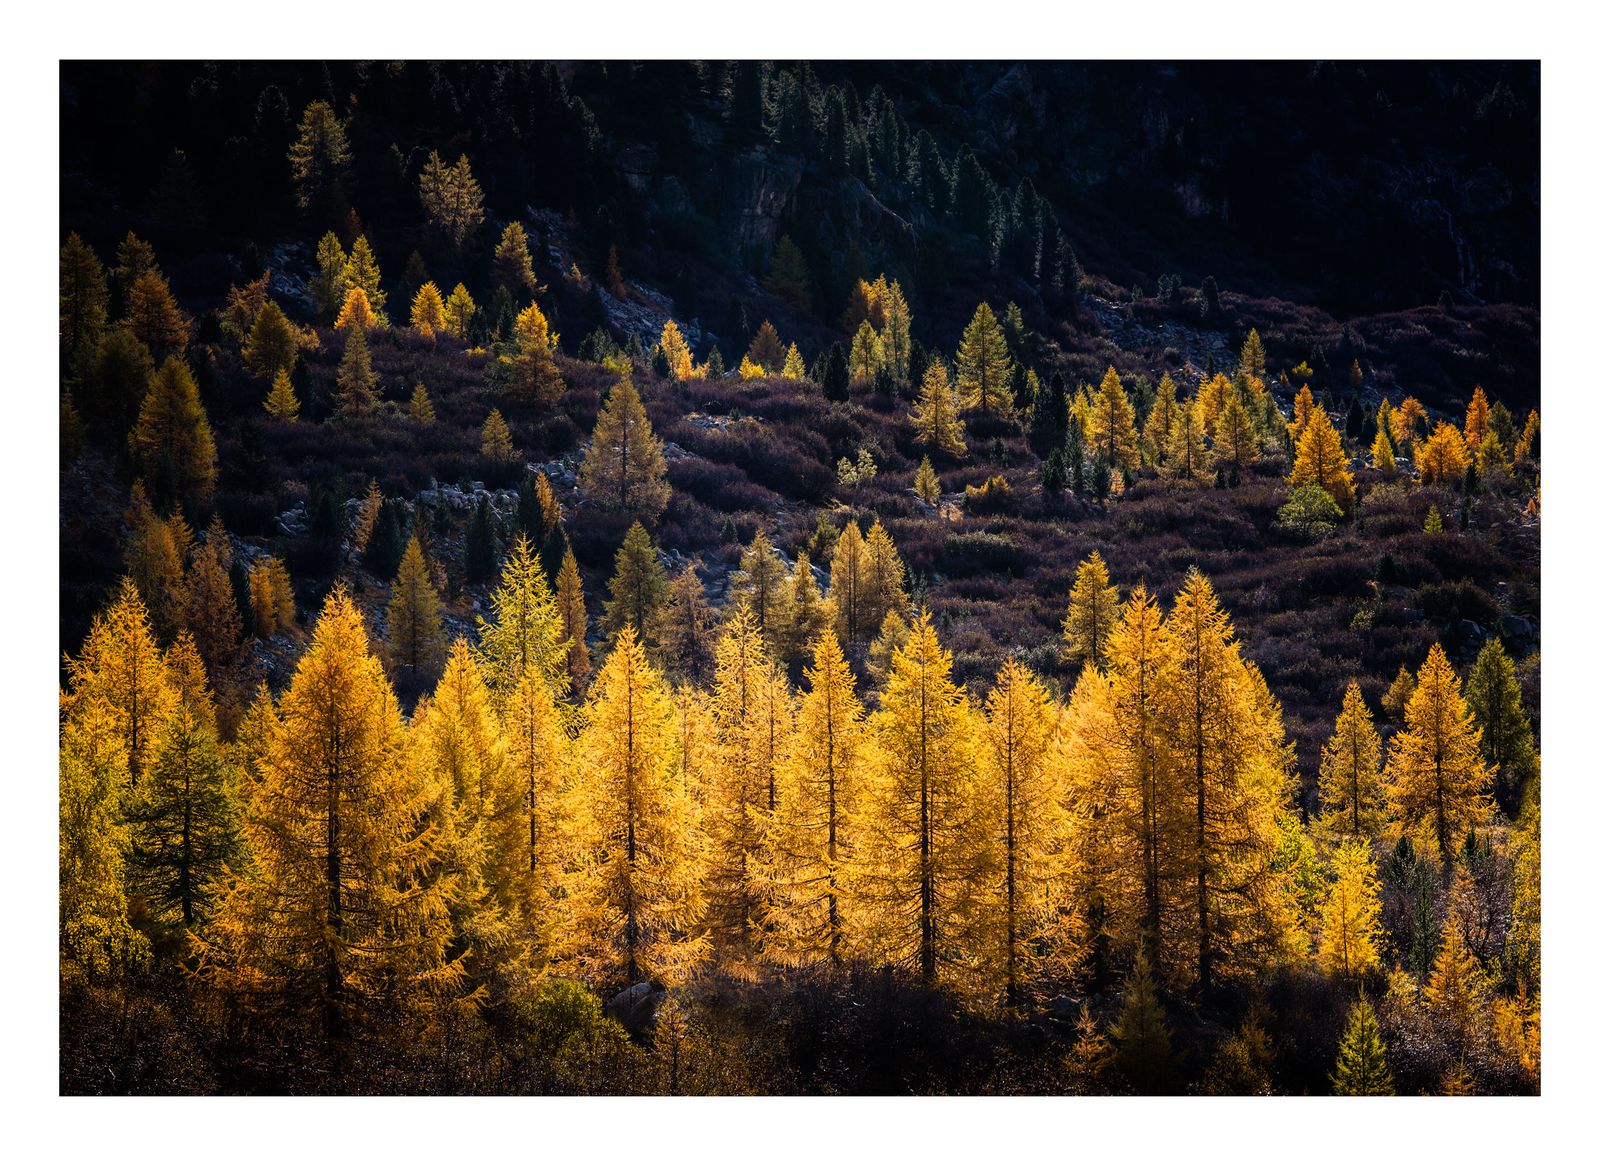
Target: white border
[39, 37]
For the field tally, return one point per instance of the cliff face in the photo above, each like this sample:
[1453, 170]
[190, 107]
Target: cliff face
[759, 193]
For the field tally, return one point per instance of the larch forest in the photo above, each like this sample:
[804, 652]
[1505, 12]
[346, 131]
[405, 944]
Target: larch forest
[769, 577]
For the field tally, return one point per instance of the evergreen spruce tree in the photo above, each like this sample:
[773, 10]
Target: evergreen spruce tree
[1144, 1047]
[482, 554]
[386, 543]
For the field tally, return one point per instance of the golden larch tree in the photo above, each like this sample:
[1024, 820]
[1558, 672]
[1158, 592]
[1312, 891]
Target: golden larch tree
[1236, 439]
[154, 317]
[1091, 611]
[844, 587]
[757, 586]
[1407, 422]
[766, 349]
[805, 614]
[1112, 430]
[420, 407]
[427, 310]
[121, 672]
[1443, 459]
[361, 272]
[96, 941]
[1035, 927]
[925, 872]
[411, 619]
[811, 836]
[623, 468]
[1477, 424]
[1438, 781]
[532, 815]
[494, 442]
[1383, 452]
[281, 401]
[983, 365]
[457, 745]
[173, 427]
[1226, 733]
[1125, 790]
[524, 631]
[348, 904]
[183, 817]
[513, 263]
[1304, 403]
[1186, 454]
[883, 580]
[1253, 358]
[532, 372]
[574, 619]
[1319, 459]
[272, 344]
[84, 299]
[1163, 412]
[356, 312]
[635, 898]
[452, 199]
[458, 310]
[926, 482]
[936, 414]
[751, 718]
[1349, 935]
[210, 607]
[1350, 782]
[358, 386]
[271, 597]
[680, 362]
[866, 354]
